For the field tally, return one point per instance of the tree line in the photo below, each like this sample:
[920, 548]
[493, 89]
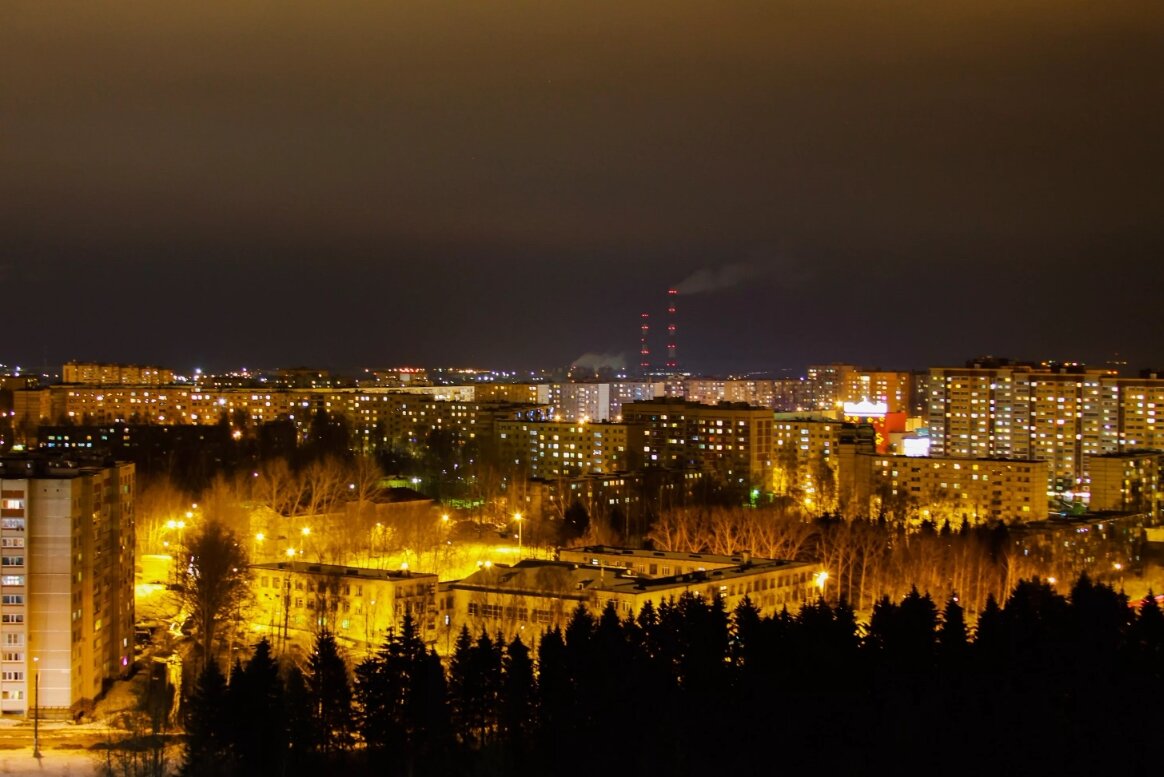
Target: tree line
[1042, 684]
[868, 558]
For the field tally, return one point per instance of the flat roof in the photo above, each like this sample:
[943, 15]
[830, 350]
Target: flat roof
[337, 570]
[569, 580]
[667, 555]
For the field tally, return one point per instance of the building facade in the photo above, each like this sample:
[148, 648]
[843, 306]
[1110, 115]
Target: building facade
[294, 600]
[1127, 481]
[953, 489]
[67, 583]
[553, 449]
[532, 595]
[731, 440]
[92, 373]
[1062, 414]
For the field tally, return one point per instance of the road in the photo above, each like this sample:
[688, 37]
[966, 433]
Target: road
[52, 763]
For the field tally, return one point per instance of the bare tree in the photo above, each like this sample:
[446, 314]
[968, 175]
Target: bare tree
[274, 486]
[325, 481]
[363, 475]
[224, 500]
[158, 502]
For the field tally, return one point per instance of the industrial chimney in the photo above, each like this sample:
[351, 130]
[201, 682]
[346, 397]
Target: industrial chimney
[672, 348]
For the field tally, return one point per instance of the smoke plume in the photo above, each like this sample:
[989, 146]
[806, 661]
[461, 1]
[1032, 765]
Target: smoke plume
[717, 279]
[595, 361]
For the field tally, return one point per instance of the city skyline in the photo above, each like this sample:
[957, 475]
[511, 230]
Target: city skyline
[515, 185]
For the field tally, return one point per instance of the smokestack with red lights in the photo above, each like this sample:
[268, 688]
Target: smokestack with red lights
[644, 349]
[672, 348]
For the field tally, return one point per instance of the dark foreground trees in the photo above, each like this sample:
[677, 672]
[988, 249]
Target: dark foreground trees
[1043, 684]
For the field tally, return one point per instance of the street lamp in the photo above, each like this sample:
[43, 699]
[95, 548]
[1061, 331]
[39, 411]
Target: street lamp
[36, 707]
[517, 517]
[820, 579]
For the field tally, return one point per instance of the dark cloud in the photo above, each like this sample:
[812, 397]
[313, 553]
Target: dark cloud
[513, 182]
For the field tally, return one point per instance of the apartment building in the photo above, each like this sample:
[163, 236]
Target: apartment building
[891, 388]
[956, 488]
[825, 385]
[1063, 415]
[552, 449]
[623, 392]
[814, 456]
[731, 439]
[97, 374]
[66, 582]
[581, 401]
[1128, 481]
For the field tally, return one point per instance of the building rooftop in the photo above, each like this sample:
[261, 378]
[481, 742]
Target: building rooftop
[1132, 453]
[338, 570]
[43, 464]
[668, 555]
[570, 580]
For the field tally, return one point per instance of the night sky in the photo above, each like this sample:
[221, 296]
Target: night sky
[510, 184]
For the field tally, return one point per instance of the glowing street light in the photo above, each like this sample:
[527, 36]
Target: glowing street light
[517, 517]
[820, 579]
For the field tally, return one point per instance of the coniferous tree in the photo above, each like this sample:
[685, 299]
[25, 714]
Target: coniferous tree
[517, 703]
[330, 695]
[257, 704]
[382, 694]
[519, 692]
[555, 696]
[429, 729]
[208, 743]
[461, 686]
[302, 740]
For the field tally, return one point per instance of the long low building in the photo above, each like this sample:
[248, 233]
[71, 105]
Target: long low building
[532, 595]
[652, 563]
[296, 599]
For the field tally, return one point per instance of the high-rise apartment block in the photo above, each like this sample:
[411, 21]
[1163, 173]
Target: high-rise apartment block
[66, 588]
[893, 389]
[1127, 482]
[731, 439]
[582, 401]
[570, 448]
[1064, 415]
[826, 385]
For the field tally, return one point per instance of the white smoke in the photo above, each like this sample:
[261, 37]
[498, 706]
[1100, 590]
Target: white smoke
[717, 279]
[595, 361]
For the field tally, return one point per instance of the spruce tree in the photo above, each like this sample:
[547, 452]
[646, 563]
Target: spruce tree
[208, 740]
[461, 686]
[518, 695]
[330, 695]
[257, 704]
